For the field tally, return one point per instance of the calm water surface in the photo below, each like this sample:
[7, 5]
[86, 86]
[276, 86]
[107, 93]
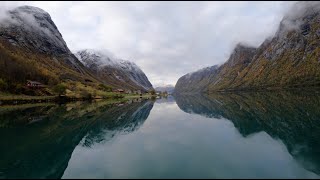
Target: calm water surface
[246, 135]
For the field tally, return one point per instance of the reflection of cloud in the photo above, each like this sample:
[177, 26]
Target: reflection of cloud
[174, 144]
[51, 133]
[288, 116]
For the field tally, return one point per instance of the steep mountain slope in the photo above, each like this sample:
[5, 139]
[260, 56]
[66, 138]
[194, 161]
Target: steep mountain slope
[196, 81]
[229, 71]
[31, 47]
[32, 30]
[290, 59]
[116, 72]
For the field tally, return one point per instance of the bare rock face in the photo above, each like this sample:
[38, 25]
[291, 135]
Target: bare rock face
[32, 29]
[117, 72]
[290, 59]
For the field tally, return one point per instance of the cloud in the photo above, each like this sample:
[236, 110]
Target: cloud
[165, 39]
[292, 19]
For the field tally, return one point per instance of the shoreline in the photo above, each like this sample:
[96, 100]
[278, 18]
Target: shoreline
[252, 90]
[23, 99]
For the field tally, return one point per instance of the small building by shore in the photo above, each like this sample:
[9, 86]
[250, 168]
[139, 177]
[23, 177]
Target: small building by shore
[118, 90]
[34, 84]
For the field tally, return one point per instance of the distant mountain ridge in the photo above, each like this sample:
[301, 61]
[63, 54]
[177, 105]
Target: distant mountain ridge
[195, 81]
[169, 88]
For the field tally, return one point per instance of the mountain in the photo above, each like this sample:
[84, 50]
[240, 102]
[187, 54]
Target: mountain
[290, 59]
[169, 88]
[32, 48]
[116, 72]
[196, 81]
[32, 30]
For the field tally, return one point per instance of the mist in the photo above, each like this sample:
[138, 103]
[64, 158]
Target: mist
[292, 16]
[165, 39]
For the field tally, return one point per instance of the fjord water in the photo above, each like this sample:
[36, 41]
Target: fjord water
[243, 135]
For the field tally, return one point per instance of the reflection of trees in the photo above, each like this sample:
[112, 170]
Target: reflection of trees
[42, 148]
[292, 117]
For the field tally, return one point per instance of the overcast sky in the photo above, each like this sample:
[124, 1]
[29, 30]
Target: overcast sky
[165, 39]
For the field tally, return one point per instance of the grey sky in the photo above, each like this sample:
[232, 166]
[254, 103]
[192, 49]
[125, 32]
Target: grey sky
[165, 39]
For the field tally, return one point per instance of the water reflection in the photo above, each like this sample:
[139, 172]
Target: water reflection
[292, 117]
[37, 140]
[166, 99]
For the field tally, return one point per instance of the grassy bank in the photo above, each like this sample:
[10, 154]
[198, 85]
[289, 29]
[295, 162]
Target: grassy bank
[6, 99]
[11, 99]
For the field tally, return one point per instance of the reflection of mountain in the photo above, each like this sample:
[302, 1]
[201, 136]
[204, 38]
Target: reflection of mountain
[120, 120]
[292, 117]
[39, 145]
[167, 99]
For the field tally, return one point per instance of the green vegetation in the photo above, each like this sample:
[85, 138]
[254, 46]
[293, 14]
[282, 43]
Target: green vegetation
[59, 78]
[7, 96]
[3, 85]
[293, 68]
[18, 66]
[86, 95]
[60, 89]
[104, 87]
[152, 92]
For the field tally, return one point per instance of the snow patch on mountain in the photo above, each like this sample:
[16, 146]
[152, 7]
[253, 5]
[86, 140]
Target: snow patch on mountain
[99, 59]
[103, 58]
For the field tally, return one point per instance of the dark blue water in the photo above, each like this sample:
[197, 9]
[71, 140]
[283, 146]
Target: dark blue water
[247, 135]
